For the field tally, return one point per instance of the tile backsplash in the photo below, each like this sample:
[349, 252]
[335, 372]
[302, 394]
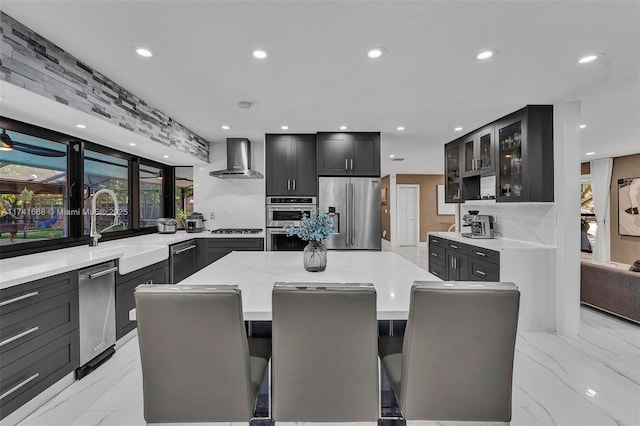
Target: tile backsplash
[530, 222]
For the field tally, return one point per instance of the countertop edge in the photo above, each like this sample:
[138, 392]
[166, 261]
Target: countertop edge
[497, 244]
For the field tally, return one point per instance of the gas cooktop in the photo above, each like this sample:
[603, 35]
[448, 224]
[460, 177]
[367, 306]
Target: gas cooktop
[236, 231]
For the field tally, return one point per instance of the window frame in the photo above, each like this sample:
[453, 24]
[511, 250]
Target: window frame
[74, 189]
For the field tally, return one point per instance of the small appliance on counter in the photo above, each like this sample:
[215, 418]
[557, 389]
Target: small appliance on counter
[481, 225]
[195, 222]
[167, 225]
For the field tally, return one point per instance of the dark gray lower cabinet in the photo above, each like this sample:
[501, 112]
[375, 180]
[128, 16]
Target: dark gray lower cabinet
[39, 335]
[157, 273]
[453, 261]
[212, 249]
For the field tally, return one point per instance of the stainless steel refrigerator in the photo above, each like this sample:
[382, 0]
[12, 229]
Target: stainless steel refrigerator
[354, 204]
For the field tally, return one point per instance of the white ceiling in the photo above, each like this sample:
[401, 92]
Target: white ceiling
[319, 77]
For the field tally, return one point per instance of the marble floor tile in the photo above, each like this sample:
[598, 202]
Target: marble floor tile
[592, 379]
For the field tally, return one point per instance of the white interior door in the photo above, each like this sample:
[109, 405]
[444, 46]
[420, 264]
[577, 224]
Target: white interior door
[408, 208]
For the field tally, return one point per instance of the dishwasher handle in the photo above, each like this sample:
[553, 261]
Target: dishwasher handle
[104, 272]
[182, 250]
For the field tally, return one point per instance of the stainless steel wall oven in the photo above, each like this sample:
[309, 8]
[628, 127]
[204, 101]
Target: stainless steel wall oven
[282, 211]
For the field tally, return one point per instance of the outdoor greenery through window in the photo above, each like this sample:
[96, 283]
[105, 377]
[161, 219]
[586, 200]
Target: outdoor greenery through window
[33, 189]
[150, 195]
[102, 171]
[184, 194]
[588, 224]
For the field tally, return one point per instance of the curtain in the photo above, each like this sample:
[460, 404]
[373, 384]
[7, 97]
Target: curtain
[601, 187]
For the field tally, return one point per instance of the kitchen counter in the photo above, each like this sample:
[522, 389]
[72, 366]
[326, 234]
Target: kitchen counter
[133, 253]
[497, 244]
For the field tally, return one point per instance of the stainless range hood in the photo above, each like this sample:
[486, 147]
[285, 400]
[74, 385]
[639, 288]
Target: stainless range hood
[238, 161]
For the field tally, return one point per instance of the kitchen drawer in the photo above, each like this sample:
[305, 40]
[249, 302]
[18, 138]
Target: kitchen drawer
[37, 371]
[249, 244]
[27, 294]
[437, 241]
[438, 270]
[487, 255]
[458, 248]
[437, 255]
[34, 326]
[479, 270]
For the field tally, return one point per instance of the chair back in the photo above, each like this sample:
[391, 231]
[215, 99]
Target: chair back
[458, 351]
[324, 360]
[194, 353]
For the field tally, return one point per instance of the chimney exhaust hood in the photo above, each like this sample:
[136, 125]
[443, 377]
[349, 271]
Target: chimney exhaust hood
[238, 161]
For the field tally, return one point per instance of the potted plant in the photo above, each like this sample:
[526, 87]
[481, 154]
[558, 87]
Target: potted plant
[313, 229]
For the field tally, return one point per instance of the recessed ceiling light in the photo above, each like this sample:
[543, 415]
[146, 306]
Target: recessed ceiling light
[400, 128]
[582, 126]
[165, 156]
[392, 156]
[343, 127]
[457, 129]
[225, 127]
[376, 52]
[81, 126]
[132, 144]
[284, 127]
[589, 58]
[590, 153]
[144, 52]
[486, 54]
[260, 53]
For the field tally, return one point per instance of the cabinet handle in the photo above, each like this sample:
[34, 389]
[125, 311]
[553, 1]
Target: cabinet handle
[479, 253]
[481, 273]
[433, 240]
[346, 164]
[453, 246]
[101, 273]
[352, 164]
[288, 184]
[19, 385]
[19, 298]
[185, 249]
[294, 184]
[455, 263]
[434, 254]
[18, 336]
[435, 273]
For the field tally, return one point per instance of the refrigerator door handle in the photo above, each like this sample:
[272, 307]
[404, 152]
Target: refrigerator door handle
[347, 233]
[346, 164]
[353, 212]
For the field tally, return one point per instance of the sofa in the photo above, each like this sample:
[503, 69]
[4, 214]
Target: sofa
[610, 289]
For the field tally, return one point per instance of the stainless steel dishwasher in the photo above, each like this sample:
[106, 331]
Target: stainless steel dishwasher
[96, 290]
[183, 260]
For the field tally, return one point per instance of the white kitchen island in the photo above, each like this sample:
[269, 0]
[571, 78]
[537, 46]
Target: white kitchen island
[256, 272]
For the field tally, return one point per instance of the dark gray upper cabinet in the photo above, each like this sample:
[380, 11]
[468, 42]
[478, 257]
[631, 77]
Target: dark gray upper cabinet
[349, 154]
[291, 165]
[524, 142]
[517, 149]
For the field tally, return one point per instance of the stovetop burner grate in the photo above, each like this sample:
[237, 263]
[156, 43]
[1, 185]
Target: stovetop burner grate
[236, 231]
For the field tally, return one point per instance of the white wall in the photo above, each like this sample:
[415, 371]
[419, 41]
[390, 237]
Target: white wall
[237, 203]
[530, 222]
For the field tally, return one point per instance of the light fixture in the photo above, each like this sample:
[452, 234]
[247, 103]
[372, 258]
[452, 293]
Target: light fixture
[132, 144]
[260, 53]
[400, 128]
[590, 392]
[343, 127]
[582, 126]
[376, 52]
[225, 127]
[590, 58]
[6, 144]
[144, 52]
[457, 129]
[392, 156]
[160, 174]
[165, 156]
[244, 104]
[590, 153]
[81, 126]
[284, 127]
[486, 54]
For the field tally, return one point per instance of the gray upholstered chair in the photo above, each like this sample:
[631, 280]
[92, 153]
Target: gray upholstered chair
[197, 363]
[455, 361]
[325, 361]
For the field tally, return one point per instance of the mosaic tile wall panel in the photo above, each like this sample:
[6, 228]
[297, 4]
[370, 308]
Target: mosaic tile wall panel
[36, 64]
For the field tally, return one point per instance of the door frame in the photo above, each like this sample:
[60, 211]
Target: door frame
[417, 187]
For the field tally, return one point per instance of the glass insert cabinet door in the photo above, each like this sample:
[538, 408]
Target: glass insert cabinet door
[453, 188]
[479, 153]
[510, 183]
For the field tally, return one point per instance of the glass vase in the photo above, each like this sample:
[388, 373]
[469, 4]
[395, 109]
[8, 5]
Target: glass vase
[315, 257]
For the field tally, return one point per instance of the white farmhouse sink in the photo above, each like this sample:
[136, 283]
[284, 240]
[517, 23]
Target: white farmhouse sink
[134, 256]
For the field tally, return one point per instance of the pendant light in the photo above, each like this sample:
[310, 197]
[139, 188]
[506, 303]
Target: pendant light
[6, 144]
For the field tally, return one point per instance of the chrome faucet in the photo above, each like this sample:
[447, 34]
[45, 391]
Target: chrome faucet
[94, 235]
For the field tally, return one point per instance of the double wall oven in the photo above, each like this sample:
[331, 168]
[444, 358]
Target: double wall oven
[284, 210]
